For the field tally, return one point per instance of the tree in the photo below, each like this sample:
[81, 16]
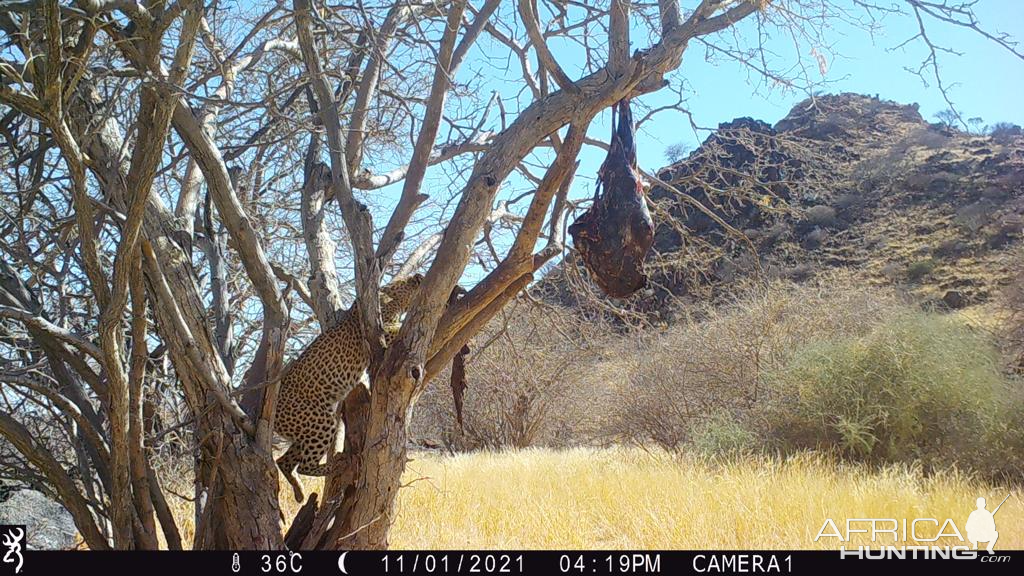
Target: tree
[948, 117]
[976, 125]
[174, 175]
[676, 152]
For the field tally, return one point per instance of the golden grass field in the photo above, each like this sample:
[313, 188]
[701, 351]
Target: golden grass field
[631, 498]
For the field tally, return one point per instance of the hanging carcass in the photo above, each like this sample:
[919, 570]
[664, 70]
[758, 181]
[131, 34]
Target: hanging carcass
[615, 233]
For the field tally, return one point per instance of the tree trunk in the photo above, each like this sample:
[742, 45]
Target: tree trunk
[382, 460]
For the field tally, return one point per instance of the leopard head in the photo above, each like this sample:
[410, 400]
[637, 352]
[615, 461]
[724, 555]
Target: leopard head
[397, 296]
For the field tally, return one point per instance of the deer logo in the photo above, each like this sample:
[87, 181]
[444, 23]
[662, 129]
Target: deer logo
[12, 541]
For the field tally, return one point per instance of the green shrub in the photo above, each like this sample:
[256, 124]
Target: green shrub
[1003, 458]
[821, 215]
[919, 386]
[723, 435]
[918, 270]
[677, 379]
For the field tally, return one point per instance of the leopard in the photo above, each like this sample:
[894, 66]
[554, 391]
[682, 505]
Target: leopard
[324, 373]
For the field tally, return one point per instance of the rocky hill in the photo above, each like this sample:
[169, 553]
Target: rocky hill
[843, 181]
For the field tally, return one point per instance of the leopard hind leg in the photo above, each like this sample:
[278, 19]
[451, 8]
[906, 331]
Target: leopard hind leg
[316, 449]
[287, 463]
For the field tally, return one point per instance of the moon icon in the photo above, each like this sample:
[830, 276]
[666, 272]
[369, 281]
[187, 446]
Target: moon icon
[341, 562]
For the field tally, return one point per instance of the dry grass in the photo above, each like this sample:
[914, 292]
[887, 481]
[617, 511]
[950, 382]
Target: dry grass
[634, 499]
[630, 498]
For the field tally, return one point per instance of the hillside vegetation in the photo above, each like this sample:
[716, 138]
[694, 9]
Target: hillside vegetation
[866, 375]
[852, 287]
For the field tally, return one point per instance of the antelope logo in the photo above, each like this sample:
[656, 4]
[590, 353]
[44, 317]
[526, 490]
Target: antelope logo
[12, 541]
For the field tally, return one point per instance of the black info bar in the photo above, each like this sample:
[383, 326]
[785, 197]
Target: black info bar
[859, 561]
